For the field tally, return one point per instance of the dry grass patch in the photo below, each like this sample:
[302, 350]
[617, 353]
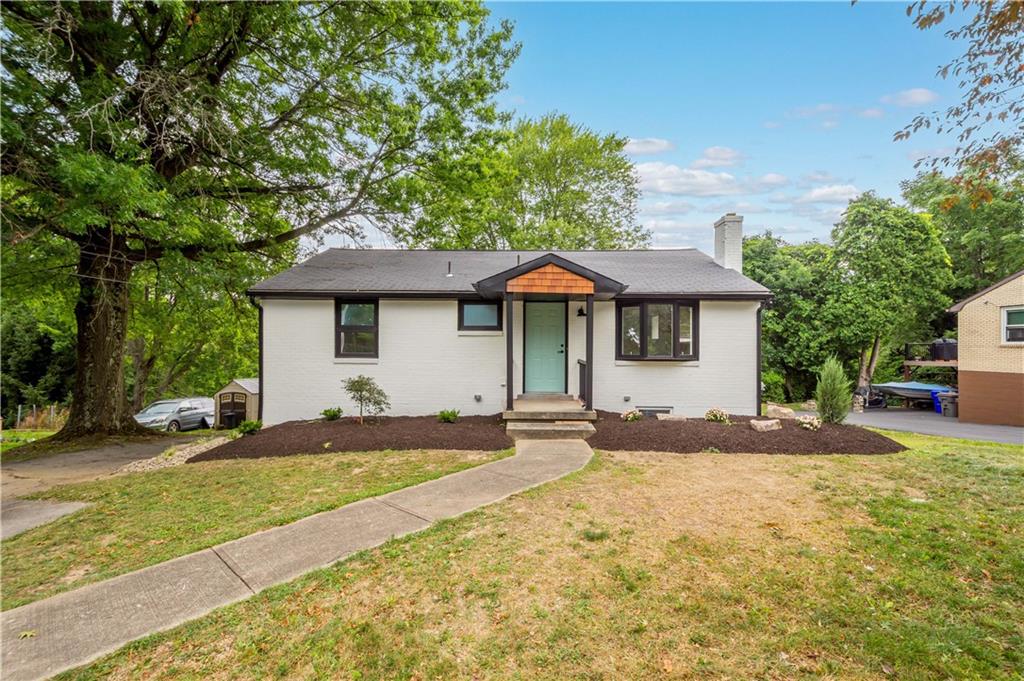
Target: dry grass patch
[656, 566]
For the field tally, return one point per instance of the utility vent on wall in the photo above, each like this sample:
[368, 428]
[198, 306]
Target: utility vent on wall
[651, 411]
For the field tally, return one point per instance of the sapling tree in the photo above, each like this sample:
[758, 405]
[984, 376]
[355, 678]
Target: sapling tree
[370, 397]
[833, 393]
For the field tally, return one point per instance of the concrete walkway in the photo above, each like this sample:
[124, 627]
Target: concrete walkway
[44, 638]
[930, 423]
[19, 515]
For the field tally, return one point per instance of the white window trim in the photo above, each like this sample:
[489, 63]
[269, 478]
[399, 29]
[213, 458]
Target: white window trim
[1004, 314]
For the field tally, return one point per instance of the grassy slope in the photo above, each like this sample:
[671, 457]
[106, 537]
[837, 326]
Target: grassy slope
[145, 518]
[651, 566]
[18, 438]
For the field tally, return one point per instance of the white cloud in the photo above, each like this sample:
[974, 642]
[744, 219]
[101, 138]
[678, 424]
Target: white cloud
[917, 96]
[829, 193]
[718, 157]
[873, 112]
[812, 111]
[819, 177]
[769, 181]
[743, 207]
[641, 146]
[667, 208]
[830, 124]
[668, 178]
[936, 152]
[772, 125]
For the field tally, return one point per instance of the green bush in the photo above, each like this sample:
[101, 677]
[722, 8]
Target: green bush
[249, 427]
[331, 413]
[632, 415]
[774, 390]
[833, 393]
[448, 415]
[365, 392]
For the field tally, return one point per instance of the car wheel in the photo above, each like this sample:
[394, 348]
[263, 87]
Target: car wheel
[173, 427]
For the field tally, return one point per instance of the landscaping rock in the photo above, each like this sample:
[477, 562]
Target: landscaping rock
[671, 417]
[765, 425]
[174, 456]
[777, 411]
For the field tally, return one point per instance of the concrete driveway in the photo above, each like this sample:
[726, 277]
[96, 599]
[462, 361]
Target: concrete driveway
[22, 478]
[930, 423]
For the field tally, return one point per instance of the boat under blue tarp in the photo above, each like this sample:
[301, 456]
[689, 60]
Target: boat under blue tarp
[911, 390]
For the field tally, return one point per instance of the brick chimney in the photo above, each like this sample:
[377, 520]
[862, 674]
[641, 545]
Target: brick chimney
[729, 241]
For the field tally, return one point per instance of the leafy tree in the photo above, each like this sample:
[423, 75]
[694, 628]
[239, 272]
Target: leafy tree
[833, 395]
[889, 275]
[796, 336]
[365, 392]
[545, 184]
[985, 240]
[989, 118]
[139, 132]
[38, 361]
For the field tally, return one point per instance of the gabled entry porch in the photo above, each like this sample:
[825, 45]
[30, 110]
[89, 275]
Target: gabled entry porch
[549, 290]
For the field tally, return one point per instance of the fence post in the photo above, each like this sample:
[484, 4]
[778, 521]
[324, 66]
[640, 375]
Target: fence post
[34, 422]
[17, 421]
[52, 415]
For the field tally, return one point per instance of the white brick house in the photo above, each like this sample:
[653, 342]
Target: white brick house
[657, 329]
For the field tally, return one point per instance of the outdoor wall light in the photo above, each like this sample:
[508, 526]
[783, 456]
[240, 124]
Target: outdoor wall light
[581, 312]
[478, 398]
[625, 398]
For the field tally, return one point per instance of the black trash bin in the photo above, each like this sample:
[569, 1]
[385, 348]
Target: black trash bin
[943, 349]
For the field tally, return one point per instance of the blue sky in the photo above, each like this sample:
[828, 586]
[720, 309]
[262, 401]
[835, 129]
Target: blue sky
[779, 112]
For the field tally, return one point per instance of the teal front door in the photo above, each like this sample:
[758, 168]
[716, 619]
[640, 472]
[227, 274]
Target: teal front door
[544, 347]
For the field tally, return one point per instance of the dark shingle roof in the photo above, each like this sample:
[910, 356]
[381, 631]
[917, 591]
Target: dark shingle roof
[346, 270]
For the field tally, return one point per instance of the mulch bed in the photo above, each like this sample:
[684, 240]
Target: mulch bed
[697, 435]
[481, 433]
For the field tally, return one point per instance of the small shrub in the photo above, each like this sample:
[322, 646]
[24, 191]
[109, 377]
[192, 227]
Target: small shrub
[833, 393]
[595, 534]
[808, 422]
[365, 392]
[632, 415]
[332, 413]
[716, 415]
[711, 450]
[249, 427]
[448, 416]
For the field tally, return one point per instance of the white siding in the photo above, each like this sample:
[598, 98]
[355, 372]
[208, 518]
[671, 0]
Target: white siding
[427, 364]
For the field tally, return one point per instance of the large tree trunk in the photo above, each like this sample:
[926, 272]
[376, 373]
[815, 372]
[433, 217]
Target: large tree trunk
[98, 402]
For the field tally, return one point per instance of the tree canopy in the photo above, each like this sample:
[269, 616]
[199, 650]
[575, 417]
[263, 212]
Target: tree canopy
[138, 132]
[544, 184]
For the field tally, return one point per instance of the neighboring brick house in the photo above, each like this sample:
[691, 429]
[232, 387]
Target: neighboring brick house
[991, 353]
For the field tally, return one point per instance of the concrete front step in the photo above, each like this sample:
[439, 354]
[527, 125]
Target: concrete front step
[549, 430]
[550, 415]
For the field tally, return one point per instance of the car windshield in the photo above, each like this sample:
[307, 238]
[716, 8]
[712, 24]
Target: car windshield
[159, 408]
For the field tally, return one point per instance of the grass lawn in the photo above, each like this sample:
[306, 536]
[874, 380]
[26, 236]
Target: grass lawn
[13, 439]
[648, 565]
[145, 518]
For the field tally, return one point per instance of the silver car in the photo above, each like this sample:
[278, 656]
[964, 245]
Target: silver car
[175, 415]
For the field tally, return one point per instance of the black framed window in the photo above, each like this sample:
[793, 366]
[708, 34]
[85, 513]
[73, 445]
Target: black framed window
[656, 329]
[479, 315]
[355, 328]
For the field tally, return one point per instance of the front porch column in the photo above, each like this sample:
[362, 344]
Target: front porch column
[509, 385]
[589, 400]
